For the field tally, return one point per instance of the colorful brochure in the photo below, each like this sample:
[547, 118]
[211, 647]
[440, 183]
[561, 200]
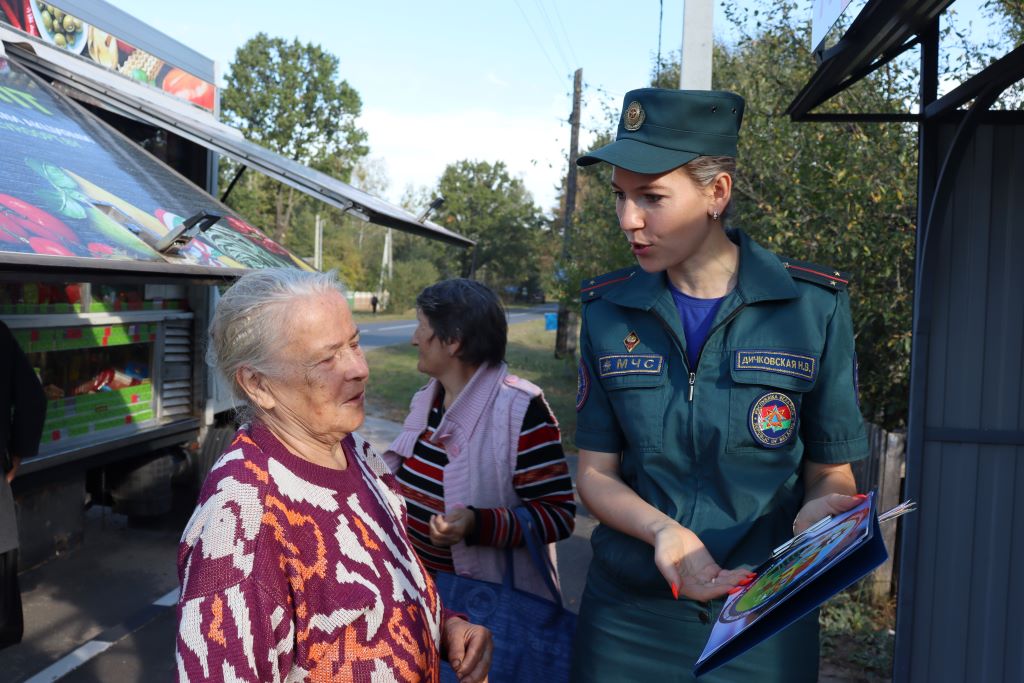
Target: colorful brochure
[800, 575]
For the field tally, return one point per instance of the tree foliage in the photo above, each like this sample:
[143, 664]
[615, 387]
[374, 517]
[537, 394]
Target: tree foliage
[485, 203]
[288, 97]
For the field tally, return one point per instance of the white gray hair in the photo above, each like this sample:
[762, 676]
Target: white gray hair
[703, 171]
[246, 329]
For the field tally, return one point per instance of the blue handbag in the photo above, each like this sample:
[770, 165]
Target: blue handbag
[532, 636]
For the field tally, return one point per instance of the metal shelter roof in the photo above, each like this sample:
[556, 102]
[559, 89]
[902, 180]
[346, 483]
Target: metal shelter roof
[882, 30]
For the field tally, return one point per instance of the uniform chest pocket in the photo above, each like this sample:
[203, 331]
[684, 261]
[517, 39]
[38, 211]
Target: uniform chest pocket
[765, 400]
[636, 386]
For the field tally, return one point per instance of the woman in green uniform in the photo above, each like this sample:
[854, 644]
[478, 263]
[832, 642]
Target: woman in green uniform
[717, 405]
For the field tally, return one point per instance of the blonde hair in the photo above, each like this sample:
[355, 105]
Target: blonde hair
[704, 170]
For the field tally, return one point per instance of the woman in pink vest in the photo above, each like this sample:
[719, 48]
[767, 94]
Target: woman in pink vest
[478, 442]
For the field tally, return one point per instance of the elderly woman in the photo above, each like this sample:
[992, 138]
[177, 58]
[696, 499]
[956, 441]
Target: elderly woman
[478, 442]
[296, 565]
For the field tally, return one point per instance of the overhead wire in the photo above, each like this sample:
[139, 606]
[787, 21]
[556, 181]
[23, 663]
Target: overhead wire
[540, 44]
[554, 35]
[568, 42]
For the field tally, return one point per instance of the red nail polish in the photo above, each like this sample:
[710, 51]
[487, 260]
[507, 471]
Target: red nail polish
[752, 575]
[675, 591]
[861, 496]
[744, 582]
[735, 590]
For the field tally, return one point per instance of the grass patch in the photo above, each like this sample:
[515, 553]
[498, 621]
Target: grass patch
[530, 354]
[364, 317]
[857, 635]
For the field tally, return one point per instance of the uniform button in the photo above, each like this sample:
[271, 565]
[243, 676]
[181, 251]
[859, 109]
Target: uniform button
[704, 617]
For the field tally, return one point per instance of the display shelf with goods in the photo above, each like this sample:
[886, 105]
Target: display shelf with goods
[105, 371]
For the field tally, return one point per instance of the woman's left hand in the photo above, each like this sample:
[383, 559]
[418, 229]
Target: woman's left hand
[447, 530]
[469, 647]
[825, 506]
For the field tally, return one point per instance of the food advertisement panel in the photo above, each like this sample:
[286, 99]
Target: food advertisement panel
[72, 186]
[55, 26]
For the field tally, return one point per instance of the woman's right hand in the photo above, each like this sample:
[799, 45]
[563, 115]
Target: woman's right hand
[688, 567]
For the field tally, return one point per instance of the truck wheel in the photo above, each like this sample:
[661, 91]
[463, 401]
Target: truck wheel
[144, 490]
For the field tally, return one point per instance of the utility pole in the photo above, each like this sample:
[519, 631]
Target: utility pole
[698, 40]
[318, 244]
[385, 267]
[565, 337]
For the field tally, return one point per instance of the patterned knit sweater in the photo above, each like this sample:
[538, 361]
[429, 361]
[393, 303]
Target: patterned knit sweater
[291, 571]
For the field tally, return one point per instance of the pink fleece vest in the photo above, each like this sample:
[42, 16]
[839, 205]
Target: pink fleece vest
[480, 433]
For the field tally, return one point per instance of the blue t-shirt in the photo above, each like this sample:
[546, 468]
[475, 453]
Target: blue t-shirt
[696, 316]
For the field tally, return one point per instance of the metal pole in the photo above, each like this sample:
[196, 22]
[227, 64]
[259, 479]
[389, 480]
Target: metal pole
[565, 336]
[318, 244]
[698, 41]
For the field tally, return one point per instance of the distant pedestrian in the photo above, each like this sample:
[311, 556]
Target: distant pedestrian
[373, 303]
[23, 407]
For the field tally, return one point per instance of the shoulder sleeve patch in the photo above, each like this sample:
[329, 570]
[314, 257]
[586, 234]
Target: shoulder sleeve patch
[593, 288]
[820, 275]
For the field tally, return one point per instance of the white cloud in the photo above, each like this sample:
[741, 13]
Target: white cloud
[418, 146]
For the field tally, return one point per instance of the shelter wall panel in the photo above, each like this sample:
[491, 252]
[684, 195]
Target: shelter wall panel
[961, 594]
[989, 618]
[1002, 406]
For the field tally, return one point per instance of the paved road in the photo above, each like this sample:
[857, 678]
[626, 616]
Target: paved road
[393, 332]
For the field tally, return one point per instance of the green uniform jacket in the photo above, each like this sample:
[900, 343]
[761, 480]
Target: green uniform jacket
[718, 447]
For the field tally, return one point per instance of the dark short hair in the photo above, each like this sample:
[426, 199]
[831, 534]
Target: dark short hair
[470, 313]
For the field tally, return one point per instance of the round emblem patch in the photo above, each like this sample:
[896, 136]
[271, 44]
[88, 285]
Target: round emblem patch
[582, 386]
[633, 117]
[772, 419]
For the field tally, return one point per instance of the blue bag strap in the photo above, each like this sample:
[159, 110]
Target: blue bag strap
[541, 559]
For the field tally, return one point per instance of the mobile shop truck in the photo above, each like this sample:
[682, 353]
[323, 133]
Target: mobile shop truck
[112, 249]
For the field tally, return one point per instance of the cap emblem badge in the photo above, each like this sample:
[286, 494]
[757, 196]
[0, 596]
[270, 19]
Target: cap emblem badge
[633, 117]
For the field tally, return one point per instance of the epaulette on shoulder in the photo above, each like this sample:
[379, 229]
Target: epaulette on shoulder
[831, 278]
[593, 288]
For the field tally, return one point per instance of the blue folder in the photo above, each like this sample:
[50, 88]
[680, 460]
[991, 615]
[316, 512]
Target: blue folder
[800, 576]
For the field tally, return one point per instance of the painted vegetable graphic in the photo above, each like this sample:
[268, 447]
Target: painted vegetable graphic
[119, 235]
[18, 217]
[186, 86]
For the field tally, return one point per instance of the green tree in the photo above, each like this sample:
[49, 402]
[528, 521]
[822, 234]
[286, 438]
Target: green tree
[485, 203]
[411, 277]
[288, 97]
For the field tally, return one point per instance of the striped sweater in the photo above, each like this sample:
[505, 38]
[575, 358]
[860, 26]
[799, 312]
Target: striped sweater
[291, 571]
[541, 480]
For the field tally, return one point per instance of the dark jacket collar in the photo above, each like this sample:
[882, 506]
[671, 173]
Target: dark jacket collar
[762, 277]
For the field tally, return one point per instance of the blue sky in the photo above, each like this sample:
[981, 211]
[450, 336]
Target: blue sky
[456, 79]
[449, 80]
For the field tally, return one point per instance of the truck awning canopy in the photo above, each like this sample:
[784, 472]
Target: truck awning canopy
[135, 100]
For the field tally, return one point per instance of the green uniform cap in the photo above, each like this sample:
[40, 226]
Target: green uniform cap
[661, 129]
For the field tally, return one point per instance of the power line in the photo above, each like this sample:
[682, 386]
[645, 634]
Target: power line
[554, 36]
[568, 42]
[561, 80]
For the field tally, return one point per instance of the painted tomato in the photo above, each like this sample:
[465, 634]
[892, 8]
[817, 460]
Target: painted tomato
[189, 87]
[99, 249]
[241, 226]
[42, 245]
[23, 215]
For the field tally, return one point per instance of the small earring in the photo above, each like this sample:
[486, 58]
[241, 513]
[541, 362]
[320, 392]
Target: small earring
[714, 216]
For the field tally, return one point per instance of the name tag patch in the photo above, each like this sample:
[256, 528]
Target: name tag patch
[781, 362]
[622, 364]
